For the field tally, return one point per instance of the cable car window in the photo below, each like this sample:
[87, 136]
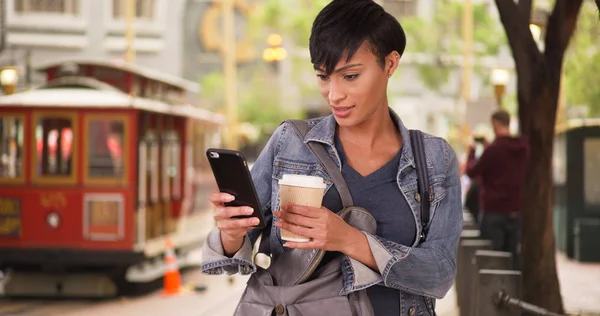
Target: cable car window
[175, 171]
[105, 148]
[54, 146]
[11, 147]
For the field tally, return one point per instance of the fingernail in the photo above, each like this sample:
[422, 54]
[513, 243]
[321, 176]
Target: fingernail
[255, 221]
[249, 210]
[228, 198]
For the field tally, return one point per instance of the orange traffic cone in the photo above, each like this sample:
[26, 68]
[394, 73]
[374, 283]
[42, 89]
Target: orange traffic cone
[172, 279]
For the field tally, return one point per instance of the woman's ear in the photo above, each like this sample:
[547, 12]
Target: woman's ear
[392, 60]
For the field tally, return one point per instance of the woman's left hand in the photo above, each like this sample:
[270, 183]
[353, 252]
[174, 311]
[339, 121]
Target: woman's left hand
[327, 230]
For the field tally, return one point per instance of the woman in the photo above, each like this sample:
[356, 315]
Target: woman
[355, 48]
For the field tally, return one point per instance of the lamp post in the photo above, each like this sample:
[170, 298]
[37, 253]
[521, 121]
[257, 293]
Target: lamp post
[9, 77]
[500, 78]
[274, 53]
[230, 71]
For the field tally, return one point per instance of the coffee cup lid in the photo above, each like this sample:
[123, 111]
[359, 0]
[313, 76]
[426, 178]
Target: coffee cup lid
[302, 181]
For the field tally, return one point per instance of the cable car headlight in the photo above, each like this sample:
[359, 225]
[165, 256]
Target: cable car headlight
[53, 219]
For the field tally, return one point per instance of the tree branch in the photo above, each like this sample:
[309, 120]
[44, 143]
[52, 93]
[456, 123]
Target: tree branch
[561, 25]
[516, 25]
[524, 48]
[526, 6]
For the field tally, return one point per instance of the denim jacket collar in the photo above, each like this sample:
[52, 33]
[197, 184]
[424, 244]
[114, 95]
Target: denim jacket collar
[324, 132]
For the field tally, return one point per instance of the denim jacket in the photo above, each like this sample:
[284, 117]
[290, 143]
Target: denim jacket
[420, 271]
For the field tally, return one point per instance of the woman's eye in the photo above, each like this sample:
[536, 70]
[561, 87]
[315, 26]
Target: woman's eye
[323, 77]
[351, 77]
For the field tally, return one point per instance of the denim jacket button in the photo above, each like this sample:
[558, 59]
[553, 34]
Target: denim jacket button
[417, 197]
[279, 310]
[411, 311]
[246, 269]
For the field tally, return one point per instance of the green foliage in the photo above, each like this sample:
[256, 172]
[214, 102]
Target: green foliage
[258, 104]
[582, 63]
[442, 36]
[213, 89]
[292, 19]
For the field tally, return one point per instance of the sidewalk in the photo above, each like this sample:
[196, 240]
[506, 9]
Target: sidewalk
[447, 305]
[579, 285]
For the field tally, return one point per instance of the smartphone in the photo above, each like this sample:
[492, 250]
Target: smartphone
[233, 177]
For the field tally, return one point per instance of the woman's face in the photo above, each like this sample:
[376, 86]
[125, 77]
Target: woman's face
[357, 89]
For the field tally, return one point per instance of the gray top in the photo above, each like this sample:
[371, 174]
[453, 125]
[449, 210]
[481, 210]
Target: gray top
[378, 192]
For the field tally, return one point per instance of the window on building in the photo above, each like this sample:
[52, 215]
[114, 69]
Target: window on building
[11, 147]
[47, 6]
[401, 8]
[105, 148]
[54, 146]
[144, 9]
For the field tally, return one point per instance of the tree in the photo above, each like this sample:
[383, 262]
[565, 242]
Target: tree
[582, 63]
[538, 83]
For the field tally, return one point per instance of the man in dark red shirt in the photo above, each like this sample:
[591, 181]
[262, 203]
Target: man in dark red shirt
[501, 173]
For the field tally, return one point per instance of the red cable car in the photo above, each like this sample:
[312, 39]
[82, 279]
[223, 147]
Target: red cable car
[97, 168]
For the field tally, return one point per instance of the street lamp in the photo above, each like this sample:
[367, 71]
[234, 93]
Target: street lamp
[274, 53]
[537, 26]
[9, 77]
[536, 31]
[500, 78]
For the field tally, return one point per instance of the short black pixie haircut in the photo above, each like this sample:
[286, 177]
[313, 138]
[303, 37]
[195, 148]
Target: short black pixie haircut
[344, 25]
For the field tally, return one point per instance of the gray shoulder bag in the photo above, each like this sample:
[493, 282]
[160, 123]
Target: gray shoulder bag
[295, 284]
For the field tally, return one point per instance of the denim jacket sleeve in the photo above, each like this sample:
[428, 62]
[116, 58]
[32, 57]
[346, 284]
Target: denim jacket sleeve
[214, 261]
[427, 269]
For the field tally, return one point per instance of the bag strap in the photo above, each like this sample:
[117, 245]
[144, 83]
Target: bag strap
[424, 194]
[328, 164]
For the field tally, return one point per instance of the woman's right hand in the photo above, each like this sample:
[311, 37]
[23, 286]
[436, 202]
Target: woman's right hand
[232, 229]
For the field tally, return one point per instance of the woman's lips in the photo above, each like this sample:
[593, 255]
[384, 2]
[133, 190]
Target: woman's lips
[342, 111]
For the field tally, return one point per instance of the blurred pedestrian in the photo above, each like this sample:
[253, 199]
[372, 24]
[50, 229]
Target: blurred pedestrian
[500, 173]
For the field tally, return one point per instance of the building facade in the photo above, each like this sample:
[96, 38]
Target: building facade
[41, 31]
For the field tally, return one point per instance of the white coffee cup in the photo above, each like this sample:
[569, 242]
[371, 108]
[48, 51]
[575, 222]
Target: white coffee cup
[300, 190]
